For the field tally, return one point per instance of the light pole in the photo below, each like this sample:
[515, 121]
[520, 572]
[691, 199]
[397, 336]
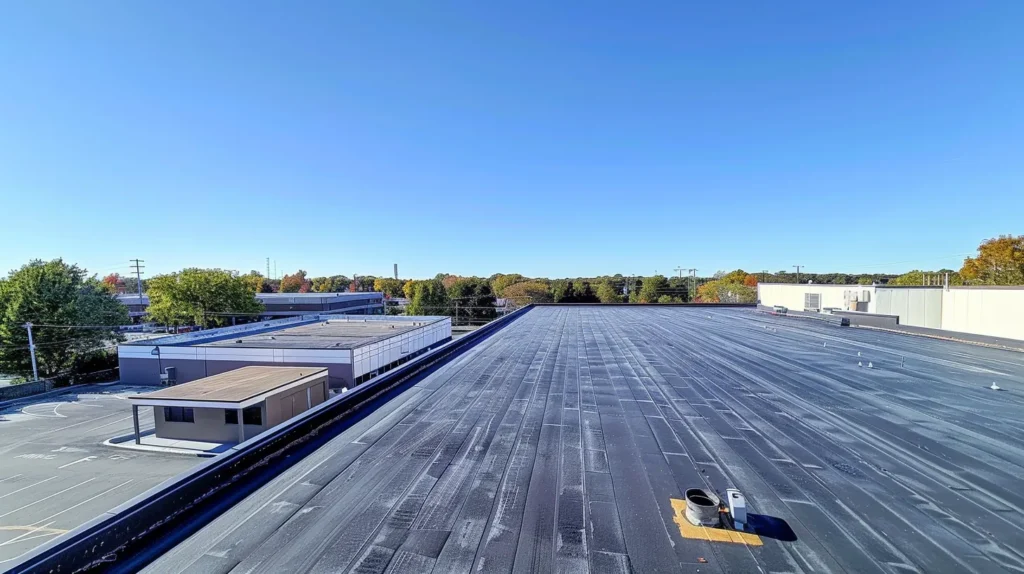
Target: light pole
[32, 351]
[798, 272]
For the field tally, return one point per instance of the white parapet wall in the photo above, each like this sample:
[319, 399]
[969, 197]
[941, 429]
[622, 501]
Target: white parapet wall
[991, 311]
[793, 295]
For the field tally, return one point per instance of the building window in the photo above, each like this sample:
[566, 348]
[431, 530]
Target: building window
[250, 416]
[179, 415]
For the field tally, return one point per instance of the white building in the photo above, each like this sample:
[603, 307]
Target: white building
[992, 311]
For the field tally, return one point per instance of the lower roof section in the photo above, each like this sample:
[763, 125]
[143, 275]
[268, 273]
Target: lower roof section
[237, 386]
[565, 441]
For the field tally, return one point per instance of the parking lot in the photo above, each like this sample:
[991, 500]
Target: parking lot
[55, 473]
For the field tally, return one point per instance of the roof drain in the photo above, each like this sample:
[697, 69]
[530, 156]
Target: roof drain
[702, 507]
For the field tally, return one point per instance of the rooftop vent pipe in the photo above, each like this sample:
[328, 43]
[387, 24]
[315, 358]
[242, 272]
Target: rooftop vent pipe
[702, 507]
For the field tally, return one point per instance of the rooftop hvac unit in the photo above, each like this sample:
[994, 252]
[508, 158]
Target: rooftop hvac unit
[812, 302]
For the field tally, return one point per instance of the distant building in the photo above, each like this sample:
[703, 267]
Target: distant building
[294, 304]
[278, 305]
[991, 311]
[137, 305]
[353, 348]
[232, 406]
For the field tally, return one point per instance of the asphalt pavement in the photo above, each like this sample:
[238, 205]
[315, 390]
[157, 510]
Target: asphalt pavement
[560, 443]
[54, 472]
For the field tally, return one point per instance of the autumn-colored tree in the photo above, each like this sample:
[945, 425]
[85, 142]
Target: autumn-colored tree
[389, 287]
[293, 283]
[449, 280]
[257, 282]
[113, 283]
[528, 292]
[500, 282]
[1000, 261]
[750, 280]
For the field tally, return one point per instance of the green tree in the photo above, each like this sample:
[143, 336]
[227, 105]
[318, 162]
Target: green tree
[427, 298]
[865, 280]
[1000, 261]
[500, 282]
[197, 297]
[722, 291]
[528, 292]
[257, 282]
[390, 287]
[57, 297]
[917, 277]
[608, 293]
[332, 284]
[652, 288]
[472, 299]
[294, 283]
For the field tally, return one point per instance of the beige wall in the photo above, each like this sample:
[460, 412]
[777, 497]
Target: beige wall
[282, 407]
[791, 295]
[209, 427]
[984, 311]
[209, 423]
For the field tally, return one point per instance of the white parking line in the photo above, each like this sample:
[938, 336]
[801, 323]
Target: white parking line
[9, 478]
[29, 486]
[112, 423]
[48, 497]
[85, 459]
[36, 523]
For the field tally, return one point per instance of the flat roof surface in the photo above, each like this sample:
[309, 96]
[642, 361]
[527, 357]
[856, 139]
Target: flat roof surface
[233, 386]
[322, 335]
[560, 442]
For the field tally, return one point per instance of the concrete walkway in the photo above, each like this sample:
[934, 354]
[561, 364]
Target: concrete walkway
[151, 443]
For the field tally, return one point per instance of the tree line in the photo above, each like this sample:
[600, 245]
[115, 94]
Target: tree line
[78, 319]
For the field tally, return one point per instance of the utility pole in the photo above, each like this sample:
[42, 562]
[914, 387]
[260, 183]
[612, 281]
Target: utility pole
[693, 283]
[138, 274]
[275, 269]
[798, 272]
[268, 268]
[680, 270]
[764, 273]
[32, 351]
[396, 271]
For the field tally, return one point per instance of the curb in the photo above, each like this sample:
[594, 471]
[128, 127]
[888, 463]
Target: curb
[57, 392]
[53, 393]
[146, 448]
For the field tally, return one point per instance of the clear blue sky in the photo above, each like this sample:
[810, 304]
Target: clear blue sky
[546, 138]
